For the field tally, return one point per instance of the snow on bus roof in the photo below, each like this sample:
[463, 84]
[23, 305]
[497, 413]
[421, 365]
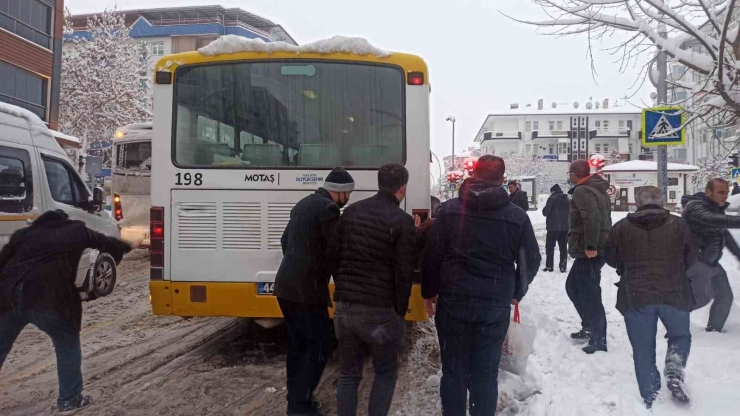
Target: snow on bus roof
[138, 126]
[336, 44]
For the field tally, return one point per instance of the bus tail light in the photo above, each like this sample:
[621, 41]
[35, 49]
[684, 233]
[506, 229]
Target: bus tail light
[117, 210]
[416, 78]
[156, 246]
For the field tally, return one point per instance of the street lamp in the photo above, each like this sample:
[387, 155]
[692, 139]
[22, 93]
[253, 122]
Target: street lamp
[452, 119]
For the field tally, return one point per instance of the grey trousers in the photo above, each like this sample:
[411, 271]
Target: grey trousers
[707, 283]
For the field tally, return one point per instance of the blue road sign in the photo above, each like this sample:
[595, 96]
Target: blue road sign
[663, 126]
[735, 174]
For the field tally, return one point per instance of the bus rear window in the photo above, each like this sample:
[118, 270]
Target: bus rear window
[16, 184]
[136, 156]
[289, 115]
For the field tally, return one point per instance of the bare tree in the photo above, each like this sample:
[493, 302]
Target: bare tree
[702, 35]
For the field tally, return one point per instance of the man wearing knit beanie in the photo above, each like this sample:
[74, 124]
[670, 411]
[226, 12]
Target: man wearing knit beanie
[302, 287]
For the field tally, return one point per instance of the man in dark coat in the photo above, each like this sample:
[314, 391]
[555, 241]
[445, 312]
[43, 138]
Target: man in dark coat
[518, 197]
[373, 255]
[705, 213]
[482, 254]
[302, 287]
[652, 250]
[590, 222]
[38, 268]
[556, 210]
[735, 189]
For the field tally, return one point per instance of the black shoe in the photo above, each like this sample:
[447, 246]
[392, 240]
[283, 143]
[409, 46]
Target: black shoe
[713, 329]
[547, 269]
[648, 404]
[678, 390]
[563, 266]
[582, 334]
[590, 349]
[563, 270]
[71, 407]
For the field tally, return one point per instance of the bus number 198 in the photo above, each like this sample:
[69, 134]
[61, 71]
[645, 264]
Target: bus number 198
[188, 179]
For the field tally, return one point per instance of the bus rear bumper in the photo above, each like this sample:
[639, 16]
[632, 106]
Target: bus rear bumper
[236, 300]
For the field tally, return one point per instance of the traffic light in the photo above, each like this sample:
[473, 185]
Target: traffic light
[597, 162]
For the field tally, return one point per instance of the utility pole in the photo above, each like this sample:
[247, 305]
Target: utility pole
[452, 119]
[662, 99]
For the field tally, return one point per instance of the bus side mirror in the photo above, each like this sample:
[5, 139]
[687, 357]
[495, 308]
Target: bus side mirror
[98, 201]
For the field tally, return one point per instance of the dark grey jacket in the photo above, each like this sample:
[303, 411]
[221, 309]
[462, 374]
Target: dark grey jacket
[519, 198]
[304, 274]
[709, 224]
[652, 250]
[556, 210]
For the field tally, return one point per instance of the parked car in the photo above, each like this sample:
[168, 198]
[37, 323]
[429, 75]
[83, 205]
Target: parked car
[36, 176]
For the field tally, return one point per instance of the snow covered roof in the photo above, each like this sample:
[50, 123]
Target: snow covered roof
[66, 141]
[32, 119]
[566, 110]
[138, 126]
[336, 44]
[134, 132]
[647, 166]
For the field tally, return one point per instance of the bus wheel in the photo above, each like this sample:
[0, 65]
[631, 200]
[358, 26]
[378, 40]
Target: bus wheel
[104, 276]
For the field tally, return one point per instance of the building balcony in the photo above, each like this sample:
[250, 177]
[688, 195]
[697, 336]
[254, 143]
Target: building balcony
[612, 133]
[502, 135]
[550, 134]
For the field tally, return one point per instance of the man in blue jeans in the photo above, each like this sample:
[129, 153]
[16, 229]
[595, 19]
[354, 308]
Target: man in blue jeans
[481, 254]
[372, 256]
[652, 251]
[38, 267]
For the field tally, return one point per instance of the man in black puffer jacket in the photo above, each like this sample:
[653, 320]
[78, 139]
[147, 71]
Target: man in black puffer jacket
[38, 268]
[705, 213]
[652, 250]
[482, 254]
[373, 255]
[302, 287]
[556, 210]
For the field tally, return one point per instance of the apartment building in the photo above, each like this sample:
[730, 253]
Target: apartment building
[31, 55]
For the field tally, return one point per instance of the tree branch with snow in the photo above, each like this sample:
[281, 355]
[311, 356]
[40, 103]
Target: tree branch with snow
[702, 35]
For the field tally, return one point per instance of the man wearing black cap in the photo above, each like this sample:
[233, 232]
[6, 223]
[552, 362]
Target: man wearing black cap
[302, 287]
[557, 210]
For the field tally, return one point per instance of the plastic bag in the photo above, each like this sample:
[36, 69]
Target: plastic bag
[518, 344]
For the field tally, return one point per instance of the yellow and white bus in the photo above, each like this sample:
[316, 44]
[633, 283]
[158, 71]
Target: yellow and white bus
[239, 138]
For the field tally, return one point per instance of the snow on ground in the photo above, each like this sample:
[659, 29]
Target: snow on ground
[561, 380]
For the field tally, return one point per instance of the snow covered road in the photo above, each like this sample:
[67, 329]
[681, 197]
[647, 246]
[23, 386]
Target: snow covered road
[138, 364]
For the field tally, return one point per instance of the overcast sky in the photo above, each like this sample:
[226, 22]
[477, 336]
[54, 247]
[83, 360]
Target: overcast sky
[479, 61]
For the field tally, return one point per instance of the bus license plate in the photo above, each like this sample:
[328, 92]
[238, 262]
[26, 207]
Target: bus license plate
[265, 288]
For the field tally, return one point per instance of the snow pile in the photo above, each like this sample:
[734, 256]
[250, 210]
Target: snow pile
[336, 44]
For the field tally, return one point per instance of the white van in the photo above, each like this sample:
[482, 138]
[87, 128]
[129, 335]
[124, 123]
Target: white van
[36, 176]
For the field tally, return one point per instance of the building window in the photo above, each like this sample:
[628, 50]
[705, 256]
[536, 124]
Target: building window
[563, 148]
[605, 125]
[29, 19]
[621, 124]
[528, 126]
[528, 149]
[552, 125]
[560, 125]
[631, 147]
[597, 148]
[22, 88]
[605, 148]
[155, 48]
[551, 149]
[597, 124]
[536, 125]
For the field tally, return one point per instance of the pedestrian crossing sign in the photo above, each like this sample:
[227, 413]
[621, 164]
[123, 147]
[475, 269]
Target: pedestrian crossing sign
[663, 126]
[735, 172]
